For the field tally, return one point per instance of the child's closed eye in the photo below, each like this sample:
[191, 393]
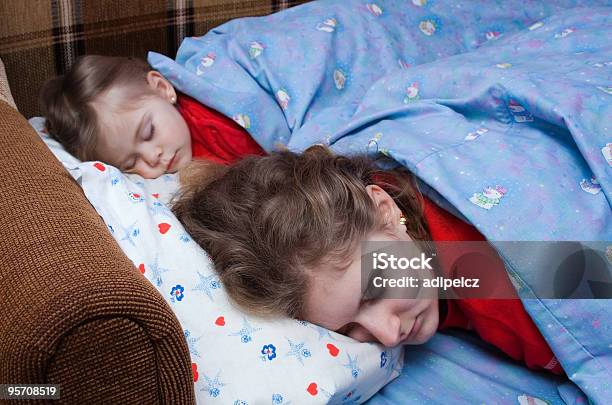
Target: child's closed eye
[129, 166]
[151, 133]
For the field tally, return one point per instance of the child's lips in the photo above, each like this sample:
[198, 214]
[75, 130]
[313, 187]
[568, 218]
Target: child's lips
[170, 163]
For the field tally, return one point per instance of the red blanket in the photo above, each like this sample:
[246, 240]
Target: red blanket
[501, 322]
[214, 136]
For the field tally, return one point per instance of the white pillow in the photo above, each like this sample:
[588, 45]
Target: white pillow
[237, 359]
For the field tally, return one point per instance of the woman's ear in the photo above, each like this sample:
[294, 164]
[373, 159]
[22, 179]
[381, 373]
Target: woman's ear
[161, 85]
[385, 205]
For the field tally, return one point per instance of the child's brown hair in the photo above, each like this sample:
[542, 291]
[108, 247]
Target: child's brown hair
[265, 220]
[67, 100]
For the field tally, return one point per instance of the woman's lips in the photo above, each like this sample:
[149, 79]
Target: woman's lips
[415, 327]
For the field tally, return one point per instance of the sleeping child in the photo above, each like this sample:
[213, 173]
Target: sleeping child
[119, 111]
[283, 231]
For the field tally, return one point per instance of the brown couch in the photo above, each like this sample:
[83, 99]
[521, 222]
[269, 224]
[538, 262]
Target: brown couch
[74, 310]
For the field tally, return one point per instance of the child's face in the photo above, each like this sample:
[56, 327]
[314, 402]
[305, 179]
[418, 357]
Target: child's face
[149, 140]
[335, 302]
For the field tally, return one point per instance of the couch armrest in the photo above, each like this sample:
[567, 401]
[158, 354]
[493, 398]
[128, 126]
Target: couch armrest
[73, 309]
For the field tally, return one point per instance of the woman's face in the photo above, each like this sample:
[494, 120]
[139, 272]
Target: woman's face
[335, 300]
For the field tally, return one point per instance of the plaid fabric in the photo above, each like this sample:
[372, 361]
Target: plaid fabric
[41, 39]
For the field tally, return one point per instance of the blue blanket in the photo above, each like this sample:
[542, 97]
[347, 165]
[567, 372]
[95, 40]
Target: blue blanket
[456, 367]
[502, 111]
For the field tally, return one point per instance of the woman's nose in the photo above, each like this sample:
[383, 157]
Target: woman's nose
[362, 334]
[378, 326]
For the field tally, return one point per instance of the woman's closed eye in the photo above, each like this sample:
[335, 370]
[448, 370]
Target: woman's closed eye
[346, 328]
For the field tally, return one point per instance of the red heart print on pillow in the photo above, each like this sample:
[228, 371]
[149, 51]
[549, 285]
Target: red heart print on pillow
[163, 228]
[333, 350]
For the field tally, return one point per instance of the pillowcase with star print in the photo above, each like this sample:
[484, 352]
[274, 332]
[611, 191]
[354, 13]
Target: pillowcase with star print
[236, 358]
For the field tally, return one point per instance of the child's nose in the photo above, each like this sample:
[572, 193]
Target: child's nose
[153, 156]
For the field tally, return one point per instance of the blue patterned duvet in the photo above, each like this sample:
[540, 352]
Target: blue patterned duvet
[502, 109]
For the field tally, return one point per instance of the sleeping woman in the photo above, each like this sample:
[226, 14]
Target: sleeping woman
[284, 232]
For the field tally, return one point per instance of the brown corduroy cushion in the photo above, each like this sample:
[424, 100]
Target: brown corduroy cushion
[73, 308]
